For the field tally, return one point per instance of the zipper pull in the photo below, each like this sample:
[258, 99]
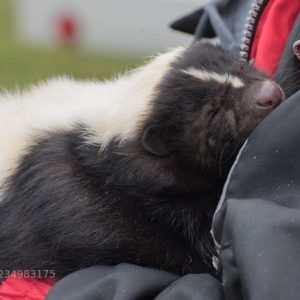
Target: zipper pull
[296, 49]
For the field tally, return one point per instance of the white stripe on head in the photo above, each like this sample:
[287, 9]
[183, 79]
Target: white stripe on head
[225, 78]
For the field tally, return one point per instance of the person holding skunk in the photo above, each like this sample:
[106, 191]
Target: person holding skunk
[257, 222]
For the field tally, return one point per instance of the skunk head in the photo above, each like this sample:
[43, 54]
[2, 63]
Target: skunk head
[205, 107]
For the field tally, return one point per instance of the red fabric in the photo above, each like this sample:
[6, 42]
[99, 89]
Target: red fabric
[19, 288]
[273, 30]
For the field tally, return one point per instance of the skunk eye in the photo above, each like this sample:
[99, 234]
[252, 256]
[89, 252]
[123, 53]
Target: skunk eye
[223, 93]
[212, 113]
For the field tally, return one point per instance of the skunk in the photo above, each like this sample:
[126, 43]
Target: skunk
[128, 170]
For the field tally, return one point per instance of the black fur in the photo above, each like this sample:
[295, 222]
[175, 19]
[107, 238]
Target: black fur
[147, 201]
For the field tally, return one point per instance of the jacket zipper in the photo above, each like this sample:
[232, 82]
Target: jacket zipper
[250, 27]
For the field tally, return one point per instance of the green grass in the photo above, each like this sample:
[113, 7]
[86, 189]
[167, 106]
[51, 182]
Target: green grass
[21, 65]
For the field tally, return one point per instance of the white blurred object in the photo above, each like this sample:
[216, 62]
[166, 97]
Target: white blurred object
[118, 26]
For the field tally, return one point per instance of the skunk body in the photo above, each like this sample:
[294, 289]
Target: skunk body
[123, 171]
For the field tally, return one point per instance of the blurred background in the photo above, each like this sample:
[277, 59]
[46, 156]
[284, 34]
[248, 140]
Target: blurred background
[84, 39]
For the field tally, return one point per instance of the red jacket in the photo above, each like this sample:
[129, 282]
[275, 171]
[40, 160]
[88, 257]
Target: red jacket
[272, 33]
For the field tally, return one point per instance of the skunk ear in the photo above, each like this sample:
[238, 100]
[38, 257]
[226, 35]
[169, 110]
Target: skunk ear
[153, 142]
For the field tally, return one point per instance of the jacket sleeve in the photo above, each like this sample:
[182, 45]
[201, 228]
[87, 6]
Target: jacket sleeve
[257, 224]
[129, 282]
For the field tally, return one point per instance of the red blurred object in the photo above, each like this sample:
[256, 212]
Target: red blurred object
[68, 29]
[20, 288]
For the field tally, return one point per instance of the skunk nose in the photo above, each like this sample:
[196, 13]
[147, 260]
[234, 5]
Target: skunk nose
[270, 95]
